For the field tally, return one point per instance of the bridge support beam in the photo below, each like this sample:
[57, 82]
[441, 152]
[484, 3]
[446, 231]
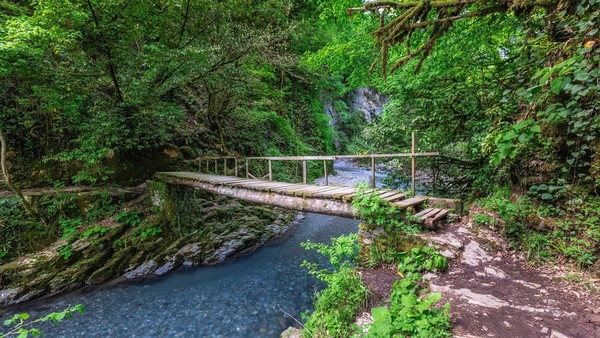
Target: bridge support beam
[306, 204]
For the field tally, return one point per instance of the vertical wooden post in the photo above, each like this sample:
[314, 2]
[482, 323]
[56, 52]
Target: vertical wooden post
[207, 166]
[413, 164]
[235, 160]
[216, 173]
[373, 172]
[247, 169]
[325, 172]
[199, 165]
[304, 174]
[270, 170]
[225, 166]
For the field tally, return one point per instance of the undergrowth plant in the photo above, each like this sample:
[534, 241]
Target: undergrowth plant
[337, 305]
[409, 315]
[374, 211]
[342, 252]
[22, 326]
[545, 231]
[421, 259]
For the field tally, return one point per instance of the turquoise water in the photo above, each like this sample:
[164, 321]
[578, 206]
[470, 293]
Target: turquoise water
[258, 295]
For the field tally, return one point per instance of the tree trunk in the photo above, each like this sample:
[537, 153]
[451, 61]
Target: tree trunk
[8, 181]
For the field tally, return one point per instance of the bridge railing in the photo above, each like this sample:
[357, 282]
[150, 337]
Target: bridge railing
[216, 159]
[213, 162]
[413, 155]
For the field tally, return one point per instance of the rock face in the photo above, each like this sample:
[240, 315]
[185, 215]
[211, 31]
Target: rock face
[356, 108]
[180, 226]
[369, 101]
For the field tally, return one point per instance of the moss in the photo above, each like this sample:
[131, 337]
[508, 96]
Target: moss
[217, 227]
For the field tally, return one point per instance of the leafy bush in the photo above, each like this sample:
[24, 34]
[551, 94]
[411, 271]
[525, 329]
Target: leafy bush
[409, 314]
[65, 251]
[546, 232]
[21, 327]
[151, 231]
[129, 218]
[343, 250]
[374, 211]
[93, 231]
[485, 220]
[421, 259]
[337, 306]
[69, 226]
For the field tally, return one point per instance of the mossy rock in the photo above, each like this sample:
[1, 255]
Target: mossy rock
[188, 152]
[113, 268]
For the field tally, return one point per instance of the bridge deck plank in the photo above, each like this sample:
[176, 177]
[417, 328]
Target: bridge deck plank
[423, 212]
[431, 213]
[335, 192]
[387, 194]
[410, 202]
[439, 215]
[260, 184]
[396, 197]
[308, 191]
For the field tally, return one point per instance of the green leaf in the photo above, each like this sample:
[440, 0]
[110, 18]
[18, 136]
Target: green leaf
[556, 85]
[535, 89]
[408, 300]
[546, 196]
[559, 84]
[510, 135]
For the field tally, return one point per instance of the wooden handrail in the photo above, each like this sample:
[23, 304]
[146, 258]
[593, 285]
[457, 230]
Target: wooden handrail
[323, 158]
[337, 157]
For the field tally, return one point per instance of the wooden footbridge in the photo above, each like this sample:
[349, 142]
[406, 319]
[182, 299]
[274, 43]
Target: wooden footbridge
[327, 199]
[331, 200]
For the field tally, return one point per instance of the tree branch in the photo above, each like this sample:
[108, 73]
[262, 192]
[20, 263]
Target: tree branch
[111, 67]
[413, 15]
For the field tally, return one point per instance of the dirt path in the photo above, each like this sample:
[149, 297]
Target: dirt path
[494, 294]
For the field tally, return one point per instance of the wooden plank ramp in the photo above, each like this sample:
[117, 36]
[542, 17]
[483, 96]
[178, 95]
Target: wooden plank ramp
[333, 200]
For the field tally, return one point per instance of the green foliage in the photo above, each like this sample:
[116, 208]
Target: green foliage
[337, 306]
[17, 228]
[484, 221]
[151, 231]
[118, 244]
[515, 138]
[65, 251]
[21, 326]
[343, 250]
[410, 315]
[421, 259]
[95, 230]
[69, 226]
[66, 216]
[374, 211]
[87, 87]
[130, 218]
[546, 232]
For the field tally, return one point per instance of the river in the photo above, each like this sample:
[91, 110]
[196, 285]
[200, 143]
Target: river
[251, 296]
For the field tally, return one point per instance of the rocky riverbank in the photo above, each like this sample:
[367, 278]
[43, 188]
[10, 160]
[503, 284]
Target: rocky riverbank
[163, 229]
